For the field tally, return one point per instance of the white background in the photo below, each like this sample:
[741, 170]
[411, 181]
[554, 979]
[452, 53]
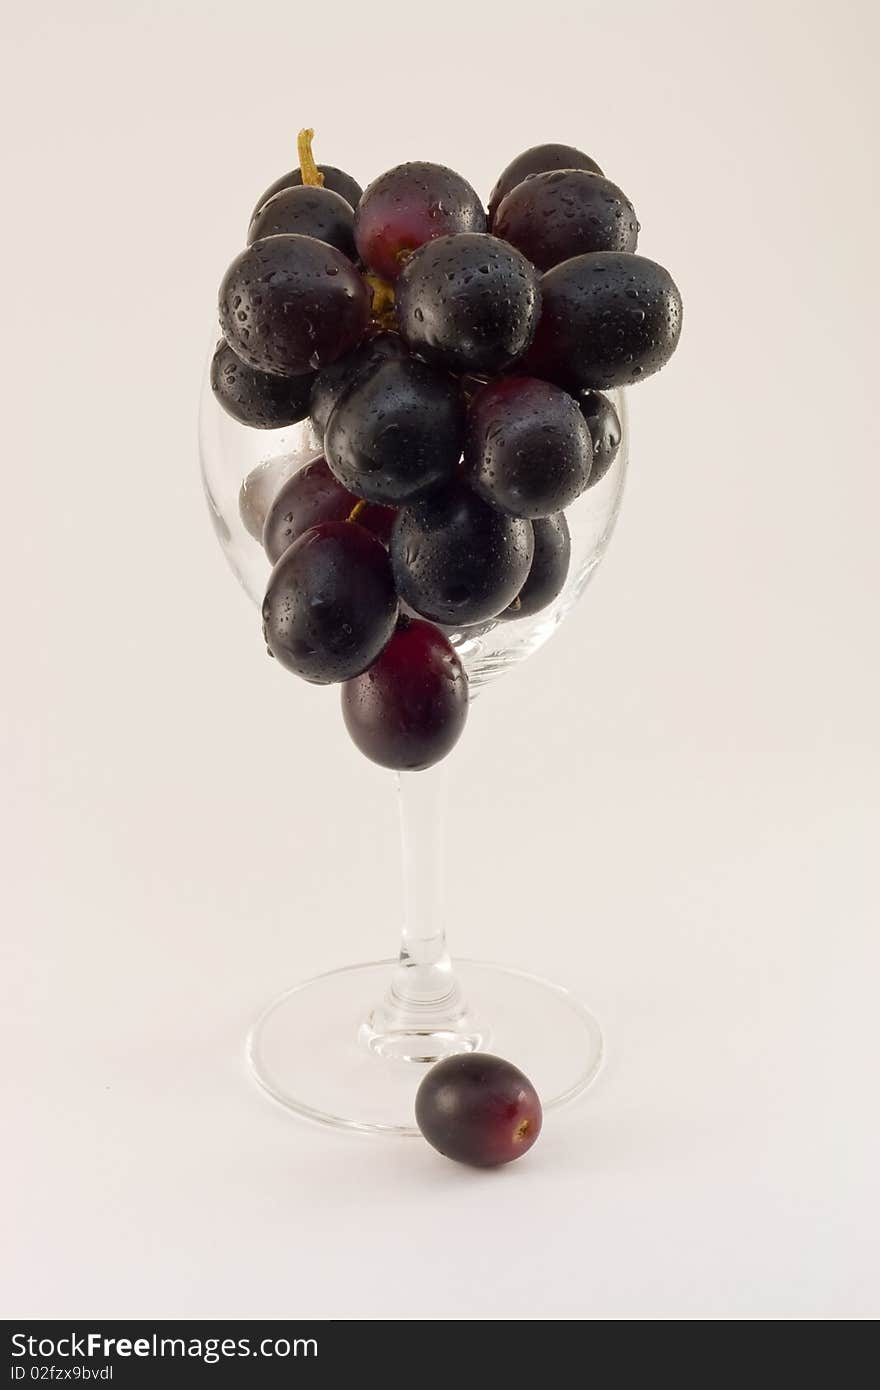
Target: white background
[674, 806]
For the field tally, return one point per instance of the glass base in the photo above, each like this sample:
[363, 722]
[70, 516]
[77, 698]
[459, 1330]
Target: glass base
[315, 1050]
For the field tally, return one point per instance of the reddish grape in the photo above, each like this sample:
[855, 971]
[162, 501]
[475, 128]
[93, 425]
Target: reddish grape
[478, 1109]
[313, 495]
[409, 205]
[409, 709]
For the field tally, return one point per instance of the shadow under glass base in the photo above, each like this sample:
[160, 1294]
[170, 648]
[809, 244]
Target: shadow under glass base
[314, 1052]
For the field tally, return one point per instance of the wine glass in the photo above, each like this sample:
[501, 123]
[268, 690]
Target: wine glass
[350, 1047]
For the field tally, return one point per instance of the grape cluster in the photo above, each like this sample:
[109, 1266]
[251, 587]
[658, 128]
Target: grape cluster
[453, 362]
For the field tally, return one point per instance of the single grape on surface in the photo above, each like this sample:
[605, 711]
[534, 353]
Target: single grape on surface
[334, 179]
[549, 569]
[603, 423]
[306, 211]
[408, 206]
[311, 496]
[255, 398]
[332, 381]
[458, 560]
[552, 217]
[528, 449]
[396, 431]
[290, 305]
[330, 605]
[538, 160]
[469, 303]
[478, 1109]
[409, 709]
[606, 320]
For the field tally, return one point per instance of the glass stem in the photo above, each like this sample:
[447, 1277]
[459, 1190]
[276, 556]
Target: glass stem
[423, 1016]
[424, 972]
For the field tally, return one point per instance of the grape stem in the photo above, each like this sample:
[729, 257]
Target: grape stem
[356, 510]
[382, 302]
[311, 174]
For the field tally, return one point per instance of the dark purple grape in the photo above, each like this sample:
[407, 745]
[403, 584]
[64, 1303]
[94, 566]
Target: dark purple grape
[396, 431]
[313, 495]
[607, 319]
[603, 423]
[552, 217]
[330, 605]
[456, 559]
[331, 382]
[334, 179]
[478, 1109]
[408, 710]
[290, 305]
[538, 160]
[406, 207]
[528, 449]
[549, 569]
[256, 398]
[470, 303]
[306, 211]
